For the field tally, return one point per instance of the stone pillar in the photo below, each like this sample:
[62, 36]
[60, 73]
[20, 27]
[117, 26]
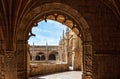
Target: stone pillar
[28, 60]
[2, 66]
[10, 65]
[70, 58]
[78, 54]
[87, 59]
[70, 53]
[73, 55]
[47, 54]
[66, 50]
[77, 60]
[33, 57]
[21, 59]
[60, 54]
[73, 51]
[7, 62]
[63, 50]
[33, 53]
[67, 45]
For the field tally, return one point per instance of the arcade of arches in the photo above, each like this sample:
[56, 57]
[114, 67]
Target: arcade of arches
[96, 22]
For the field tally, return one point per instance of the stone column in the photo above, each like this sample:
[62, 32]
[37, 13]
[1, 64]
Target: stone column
[7, 62]
[33, 53]
[78, 54]
[87, 59]
[2, 66]
[10, 65]
[34, 57]
[73, 55]
[21, 59]
[60, 53]
[47, 54]
[66, 50]
[63, 51]
[73, 51]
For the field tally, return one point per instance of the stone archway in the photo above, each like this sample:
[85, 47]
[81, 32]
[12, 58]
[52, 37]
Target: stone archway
[80, 26]
[40, 56]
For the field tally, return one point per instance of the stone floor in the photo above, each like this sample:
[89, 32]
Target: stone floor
[63, 75]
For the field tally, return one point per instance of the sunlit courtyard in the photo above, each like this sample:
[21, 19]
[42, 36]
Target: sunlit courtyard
[62, 75]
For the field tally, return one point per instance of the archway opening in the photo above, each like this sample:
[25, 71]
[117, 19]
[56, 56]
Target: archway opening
[43, 57]
[38, 57]
[52, 57]
[51, 11]
[67, 53]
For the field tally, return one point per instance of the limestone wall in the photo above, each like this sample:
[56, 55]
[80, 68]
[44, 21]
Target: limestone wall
[42, 69]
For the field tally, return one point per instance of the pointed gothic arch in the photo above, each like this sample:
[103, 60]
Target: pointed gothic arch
[79, 26]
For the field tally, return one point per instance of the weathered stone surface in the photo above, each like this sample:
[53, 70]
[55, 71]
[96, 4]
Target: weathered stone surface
[98, 21]
[42, 69]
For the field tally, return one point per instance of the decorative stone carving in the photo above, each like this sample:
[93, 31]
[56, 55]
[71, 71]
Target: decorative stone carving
[88, 60]
[30, 34]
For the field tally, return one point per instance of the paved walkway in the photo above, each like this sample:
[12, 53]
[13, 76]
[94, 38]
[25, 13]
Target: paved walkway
[63, 75]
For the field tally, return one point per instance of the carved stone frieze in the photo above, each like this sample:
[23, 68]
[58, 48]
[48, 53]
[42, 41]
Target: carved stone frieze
[88, 59]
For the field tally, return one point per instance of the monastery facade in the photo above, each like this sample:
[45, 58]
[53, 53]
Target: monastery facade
[69, 51]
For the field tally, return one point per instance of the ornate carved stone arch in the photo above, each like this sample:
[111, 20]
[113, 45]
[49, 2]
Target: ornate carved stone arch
[42, 11]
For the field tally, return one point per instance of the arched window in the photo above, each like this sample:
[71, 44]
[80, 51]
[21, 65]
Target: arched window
[38, 57]
[52, 57]
[43, 57]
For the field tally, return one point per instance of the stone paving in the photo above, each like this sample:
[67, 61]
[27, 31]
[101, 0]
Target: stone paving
[63, 75]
